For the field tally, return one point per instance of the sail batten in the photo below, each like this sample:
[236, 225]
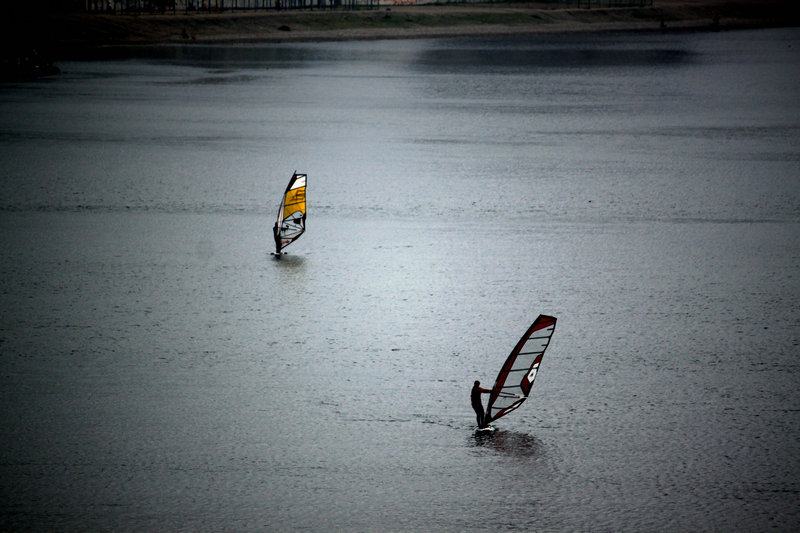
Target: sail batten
[520, 362]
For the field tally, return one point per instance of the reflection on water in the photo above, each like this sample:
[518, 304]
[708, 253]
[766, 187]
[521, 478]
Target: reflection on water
[209, 56]
[542, 54]
[509, 443]
[289, 260]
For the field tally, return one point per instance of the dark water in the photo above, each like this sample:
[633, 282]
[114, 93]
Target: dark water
[160, 371]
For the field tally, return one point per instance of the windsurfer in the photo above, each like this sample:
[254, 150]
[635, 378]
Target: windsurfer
[276, 235]
[477, 404]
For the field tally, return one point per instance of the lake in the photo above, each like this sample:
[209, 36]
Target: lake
[162, 372]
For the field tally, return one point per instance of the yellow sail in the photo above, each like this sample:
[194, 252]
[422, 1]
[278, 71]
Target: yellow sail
[291, 222]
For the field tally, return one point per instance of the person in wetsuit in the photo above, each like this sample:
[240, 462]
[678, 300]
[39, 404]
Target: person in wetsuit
[277, 237]
[475, 396]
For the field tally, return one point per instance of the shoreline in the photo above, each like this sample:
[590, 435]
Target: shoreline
[60, 35]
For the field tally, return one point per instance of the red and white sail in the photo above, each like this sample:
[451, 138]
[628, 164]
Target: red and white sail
[515, 379]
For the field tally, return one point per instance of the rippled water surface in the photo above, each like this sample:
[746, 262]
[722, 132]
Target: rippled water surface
[160, 371]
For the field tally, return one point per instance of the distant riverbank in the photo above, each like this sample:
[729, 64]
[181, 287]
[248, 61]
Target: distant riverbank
[61, 33]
